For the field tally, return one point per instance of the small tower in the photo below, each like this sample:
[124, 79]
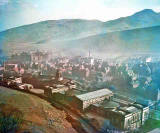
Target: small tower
[89, 54]
[59, 76]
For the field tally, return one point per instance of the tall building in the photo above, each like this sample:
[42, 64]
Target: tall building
[59, 76]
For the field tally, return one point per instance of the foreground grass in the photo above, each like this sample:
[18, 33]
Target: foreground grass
[149, 125]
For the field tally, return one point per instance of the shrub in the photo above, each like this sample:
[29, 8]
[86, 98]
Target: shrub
[10, 119]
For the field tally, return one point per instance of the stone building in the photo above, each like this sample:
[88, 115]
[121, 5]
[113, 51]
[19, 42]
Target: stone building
[94, 97]
[123, 117]
[144, 111]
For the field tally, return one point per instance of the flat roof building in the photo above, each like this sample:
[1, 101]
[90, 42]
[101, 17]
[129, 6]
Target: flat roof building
[94, 97]
[122, 116]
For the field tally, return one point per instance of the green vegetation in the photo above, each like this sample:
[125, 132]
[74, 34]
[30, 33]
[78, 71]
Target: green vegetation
[10, 119]
[149, 125]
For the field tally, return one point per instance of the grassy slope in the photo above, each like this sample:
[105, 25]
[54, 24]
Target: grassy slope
[39, 115]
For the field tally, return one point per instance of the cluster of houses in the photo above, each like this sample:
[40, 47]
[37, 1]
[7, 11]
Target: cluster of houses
[124, 114]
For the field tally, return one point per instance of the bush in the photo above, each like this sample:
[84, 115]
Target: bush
[10, 119]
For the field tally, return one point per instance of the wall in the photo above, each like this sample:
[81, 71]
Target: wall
[94, 101]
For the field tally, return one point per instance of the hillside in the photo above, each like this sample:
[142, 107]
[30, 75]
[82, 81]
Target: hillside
[131, 33]
[142, 40]
[38, 115]
[129, 41]
[142, 19]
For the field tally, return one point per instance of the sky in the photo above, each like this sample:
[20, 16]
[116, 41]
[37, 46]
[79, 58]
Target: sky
[15, 13]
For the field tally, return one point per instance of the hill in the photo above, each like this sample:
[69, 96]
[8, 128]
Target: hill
[55, 34]
[142, 40]
[141, 19]
[39, 115]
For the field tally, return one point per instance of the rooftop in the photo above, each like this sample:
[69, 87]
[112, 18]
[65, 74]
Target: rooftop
[131, 109]
[106, 104]
[109, 104]
[126, 110]
[94, 94]
[119, 111]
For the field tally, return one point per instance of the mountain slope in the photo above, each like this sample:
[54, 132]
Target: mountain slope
[140, 40]
[59, 33]
[144, 18]
[77, 28]
[128, 41]
[53, 29]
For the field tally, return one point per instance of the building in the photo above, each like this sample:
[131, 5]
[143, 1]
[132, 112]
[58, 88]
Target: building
[59, 76]
[60, 80]
[145, 111]
[59, 84]
[79, 102]
[11, 81]
[94, 97]
[125, 117]
[11, 67]
[39, 57]
[49, 90]
[123, 114]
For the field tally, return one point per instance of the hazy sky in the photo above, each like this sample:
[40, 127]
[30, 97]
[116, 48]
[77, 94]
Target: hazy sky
[19, 12]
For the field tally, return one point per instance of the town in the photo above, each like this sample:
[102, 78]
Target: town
[91, 86]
